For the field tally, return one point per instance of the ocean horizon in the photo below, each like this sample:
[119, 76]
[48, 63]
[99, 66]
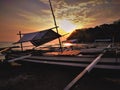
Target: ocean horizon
[27, 45]
[5, 44]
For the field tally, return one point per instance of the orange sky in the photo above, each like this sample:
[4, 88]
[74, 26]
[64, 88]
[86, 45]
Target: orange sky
[35, 15]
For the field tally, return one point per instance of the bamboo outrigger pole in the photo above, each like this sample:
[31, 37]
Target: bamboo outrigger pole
[87, 69]
[55, 24]
[20, 58]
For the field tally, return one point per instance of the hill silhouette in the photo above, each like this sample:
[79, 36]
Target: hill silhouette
[104, 31]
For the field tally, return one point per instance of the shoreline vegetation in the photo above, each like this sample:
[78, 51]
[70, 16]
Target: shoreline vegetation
[104, 31]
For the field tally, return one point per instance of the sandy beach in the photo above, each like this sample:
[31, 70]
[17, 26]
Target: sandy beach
[32, 76]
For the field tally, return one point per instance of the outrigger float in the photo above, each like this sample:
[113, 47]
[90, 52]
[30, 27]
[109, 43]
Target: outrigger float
[87, 56]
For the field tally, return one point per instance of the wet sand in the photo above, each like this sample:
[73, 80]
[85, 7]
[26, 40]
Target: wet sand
[32, 76]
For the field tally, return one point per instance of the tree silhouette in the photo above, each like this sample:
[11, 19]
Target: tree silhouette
[104, 31]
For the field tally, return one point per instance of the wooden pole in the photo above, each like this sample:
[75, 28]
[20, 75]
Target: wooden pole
[87, 69]
[5, 49]
[55, 24]
[19, 58]
[21, 42]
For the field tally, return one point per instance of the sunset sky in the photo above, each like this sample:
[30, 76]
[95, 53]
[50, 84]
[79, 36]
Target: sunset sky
[35, 15]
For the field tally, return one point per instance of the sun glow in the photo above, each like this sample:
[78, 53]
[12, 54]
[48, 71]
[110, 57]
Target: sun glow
[67, 44]
[67, 25]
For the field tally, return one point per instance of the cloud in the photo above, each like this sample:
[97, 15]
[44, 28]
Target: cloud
[77, 11]
[30, 13]
[85, 11]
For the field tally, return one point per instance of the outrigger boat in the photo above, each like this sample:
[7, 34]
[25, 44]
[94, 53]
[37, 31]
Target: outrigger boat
[87, 56]
[81, 57]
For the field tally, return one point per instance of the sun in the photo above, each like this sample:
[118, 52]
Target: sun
[67, 25]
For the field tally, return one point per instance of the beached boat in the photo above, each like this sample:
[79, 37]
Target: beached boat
[107, 57]
[81, 57]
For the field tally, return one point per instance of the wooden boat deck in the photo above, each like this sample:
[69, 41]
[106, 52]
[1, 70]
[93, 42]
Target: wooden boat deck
[64, 53]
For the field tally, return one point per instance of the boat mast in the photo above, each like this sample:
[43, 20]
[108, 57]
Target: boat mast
[21, 42]
[55, 24]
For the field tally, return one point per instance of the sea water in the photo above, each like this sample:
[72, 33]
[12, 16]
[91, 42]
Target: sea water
[10, 44]
[5, 44]
[2, 45]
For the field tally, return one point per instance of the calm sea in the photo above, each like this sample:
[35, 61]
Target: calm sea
[26, 45]
[5, 44]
